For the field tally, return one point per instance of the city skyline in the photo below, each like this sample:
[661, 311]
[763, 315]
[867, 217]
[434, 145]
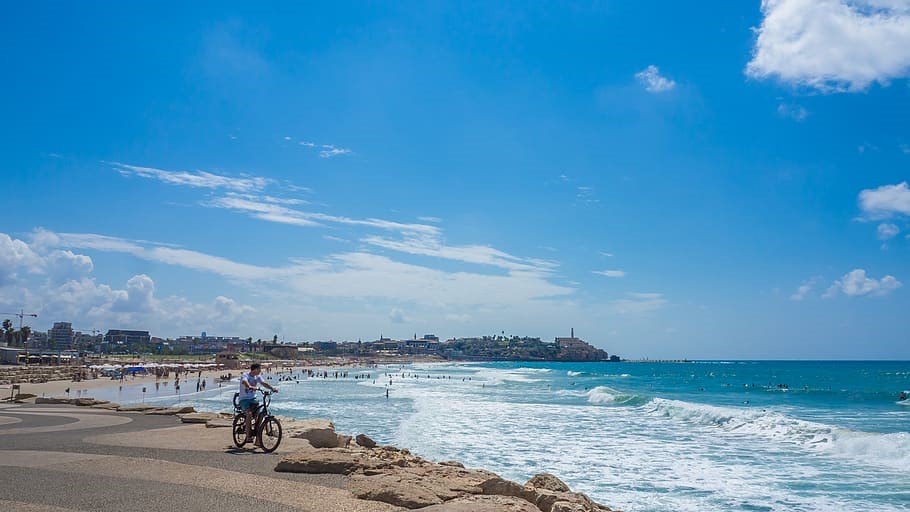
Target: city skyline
[671, 180]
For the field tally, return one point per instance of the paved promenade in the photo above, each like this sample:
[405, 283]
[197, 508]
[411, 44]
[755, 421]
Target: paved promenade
[58, 458]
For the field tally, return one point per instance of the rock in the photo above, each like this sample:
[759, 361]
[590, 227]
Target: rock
[365, 441]
[320, 433]
[87, 402]
[54, 400]
[170, 411]
[409, 486]
[565, 506]
[219, 423]
[483, 504]
[135, 408]
[394, 491]
[453, 463]
[344, 441]
[197, 417]
[502, 487]
[333, 461]
[25, 396]
[109, 406]
[548, 481]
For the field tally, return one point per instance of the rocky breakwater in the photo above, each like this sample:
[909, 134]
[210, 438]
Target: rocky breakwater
[398, 477]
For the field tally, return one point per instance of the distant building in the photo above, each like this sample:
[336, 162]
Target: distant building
[575, 349]
[60, 337]
[126, 337]
[37, 339]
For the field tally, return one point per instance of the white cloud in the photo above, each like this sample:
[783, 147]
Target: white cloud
[795, 112]
[607, 254]
[199, 179]
[272, 212]
[610, 273]
[397, 316]
[637, 303]
[362, 275]
[652, 80]
[856, 284]
[476, 254]
[16, 255]
[887, 231]
[805, 289]
[58, 284]
[832, 45]
[329, 151]
[885, 201]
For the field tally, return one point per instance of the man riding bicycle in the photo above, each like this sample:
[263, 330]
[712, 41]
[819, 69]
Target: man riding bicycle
[248, 387]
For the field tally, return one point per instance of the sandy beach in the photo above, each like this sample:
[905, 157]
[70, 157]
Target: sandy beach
[84, 387]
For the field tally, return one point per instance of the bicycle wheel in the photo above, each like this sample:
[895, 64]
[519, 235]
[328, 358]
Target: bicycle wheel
[238, 428]
[270, 434]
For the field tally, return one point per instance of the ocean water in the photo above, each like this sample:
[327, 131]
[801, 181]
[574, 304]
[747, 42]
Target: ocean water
[700, 436]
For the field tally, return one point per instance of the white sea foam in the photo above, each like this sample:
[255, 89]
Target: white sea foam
[570, 373]
[603, 395]
[889, 450]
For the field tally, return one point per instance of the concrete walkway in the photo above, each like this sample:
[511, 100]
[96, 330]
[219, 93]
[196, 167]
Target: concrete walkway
[65, 458]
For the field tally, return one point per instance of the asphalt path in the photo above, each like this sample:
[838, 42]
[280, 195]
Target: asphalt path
[47, 462]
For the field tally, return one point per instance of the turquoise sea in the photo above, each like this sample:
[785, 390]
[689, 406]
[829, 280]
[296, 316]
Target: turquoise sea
[705, 436]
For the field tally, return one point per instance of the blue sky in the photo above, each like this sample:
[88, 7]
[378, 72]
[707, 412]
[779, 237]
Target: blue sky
[702, 180]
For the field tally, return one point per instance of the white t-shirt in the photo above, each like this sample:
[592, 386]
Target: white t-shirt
[248, 394]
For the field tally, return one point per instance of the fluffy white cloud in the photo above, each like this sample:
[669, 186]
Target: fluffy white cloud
[58, 285]
[856, 284]
[61, 266]
[16, 255]
[832, 45]
[887, 231]
[885, 201]
[610, 273]
[651, 78]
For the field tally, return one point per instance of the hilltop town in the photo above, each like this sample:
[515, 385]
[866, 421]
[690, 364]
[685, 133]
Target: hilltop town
[62, 343]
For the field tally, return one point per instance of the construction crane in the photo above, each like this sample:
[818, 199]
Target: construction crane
[22, 314]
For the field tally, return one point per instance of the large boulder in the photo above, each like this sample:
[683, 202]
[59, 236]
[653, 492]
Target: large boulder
[169, 411]
[482, 503]
[418, 486]
[111, 406]
[365, 441]
[53, 400]
[136, 408]
[197, 417]
[319, 432]
[548, 481]
[335, 461]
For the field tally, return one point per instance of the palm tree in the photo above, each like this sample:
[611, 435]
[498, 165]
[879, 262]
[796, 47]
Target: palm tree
[23, 335]
[7, 330]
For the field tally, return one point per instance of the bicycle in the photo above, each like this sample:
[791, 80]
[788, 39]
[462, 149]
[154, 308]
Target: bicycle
[266, 428]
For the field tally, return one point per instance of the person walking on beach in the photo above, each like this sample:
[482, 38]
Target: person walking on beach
[248, 383]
